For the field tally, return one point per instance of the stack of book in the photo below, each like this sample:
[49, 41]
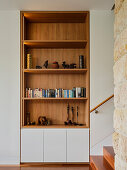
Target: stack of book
[76, 92]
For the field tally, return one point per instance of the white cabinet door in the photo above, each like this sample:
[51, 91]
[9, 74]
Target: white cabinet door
[77, 145]
[54, 145]
[31, 145]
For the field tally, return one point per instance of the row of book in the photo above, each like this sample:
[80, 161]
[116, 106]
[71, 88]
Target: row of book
[76, 92]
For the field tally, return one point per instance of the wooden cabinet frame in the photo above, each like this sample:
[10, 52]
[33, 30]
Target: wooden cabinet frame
[54, 36]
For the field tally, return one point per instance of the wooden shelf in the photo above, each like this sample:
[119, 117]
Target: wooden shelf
[54, 36]
[54, 126]
[56, 17]
[49, 98]
[55, 43]
[58, 71]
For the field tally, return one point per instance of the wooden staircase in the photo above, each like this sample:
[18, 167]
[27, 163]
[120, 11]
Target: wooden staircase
[105, 162]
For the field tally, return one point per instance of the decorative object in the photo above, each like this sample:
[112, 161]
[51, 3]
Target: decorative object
[32, 123]
[55, 65]
[28, 118]
[38, 67]
[46, 64]
[65, 65]
[81, 61]
[72, 65]
[42, 120]
[77, 114]
[29, 61]
[68, 122]
[72, 109]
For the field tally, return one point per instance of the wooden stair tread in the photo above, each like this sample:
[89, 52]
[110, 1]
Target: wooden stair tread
[109, 154]
[99, 163]
[110, 150]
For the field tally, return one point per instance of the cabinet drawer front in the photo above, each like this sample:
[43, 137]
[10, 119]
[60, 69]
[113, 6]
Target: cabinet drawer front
[31, 145]
[54, 145]
[78, 145]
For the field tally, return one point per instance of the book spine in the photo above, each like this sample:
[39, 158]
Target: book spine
[62, 92]
[71, 94]
[67, 93]
[83, 92]
[31, 93]
[76, 92]
[48, 93]
[79, 92]
[58, 93]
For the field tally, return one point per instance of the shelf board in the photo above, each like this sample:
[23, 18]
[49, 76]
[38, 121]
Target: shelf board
[56, 17]
[54, 126]
[55, 43]
[51, 98]
[58, 71]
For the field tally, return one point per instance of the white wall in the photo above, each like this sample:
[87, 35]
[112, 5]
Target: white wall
[10, 87]
[101, 80]
[101, 77]
[101, 127]
[101, 56]
[98, 148]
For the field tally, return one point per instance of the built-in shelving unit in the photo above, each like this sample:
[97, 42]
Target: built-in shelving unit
[54, 36]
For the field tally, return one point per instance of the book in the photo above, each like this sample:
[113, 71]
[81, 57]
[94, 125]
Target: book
[74, 91]
[67, 93]
[57, 93]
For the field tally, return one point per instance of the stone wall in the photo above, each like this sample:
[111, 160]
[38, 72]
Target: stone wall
[120, 81]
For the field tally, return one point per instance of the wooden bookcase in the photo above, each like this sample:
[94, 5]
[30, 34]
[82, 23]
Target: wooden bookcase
[54, 36]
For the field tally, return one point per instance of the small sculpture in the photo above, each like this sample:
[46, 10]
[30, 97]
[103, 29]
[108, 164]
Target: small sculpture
[38, 67]
[46, 64]
[42, 120]
[73, 65]
[65, 65]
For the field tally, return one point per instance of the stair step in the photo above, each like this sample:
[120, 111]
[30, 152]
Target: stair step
[109, 155]
[99, 163]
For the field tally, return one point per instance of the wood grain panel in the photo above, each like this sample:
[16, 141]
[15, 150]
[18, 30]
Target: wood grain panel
[52, 81]
[56, 31]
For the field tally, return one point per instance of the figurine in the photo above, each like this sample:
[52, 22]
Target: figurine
[46, 64]
[38, 67]
[42, 120]
[65, 65]
[73, 65]
[68, 122]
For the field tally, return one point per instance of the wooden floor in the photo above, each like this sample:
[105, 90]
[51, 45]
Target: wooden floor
[85, 167]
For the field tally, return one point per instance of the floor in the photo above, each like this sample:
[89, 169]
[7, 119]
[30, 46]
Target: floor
[85, 167]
